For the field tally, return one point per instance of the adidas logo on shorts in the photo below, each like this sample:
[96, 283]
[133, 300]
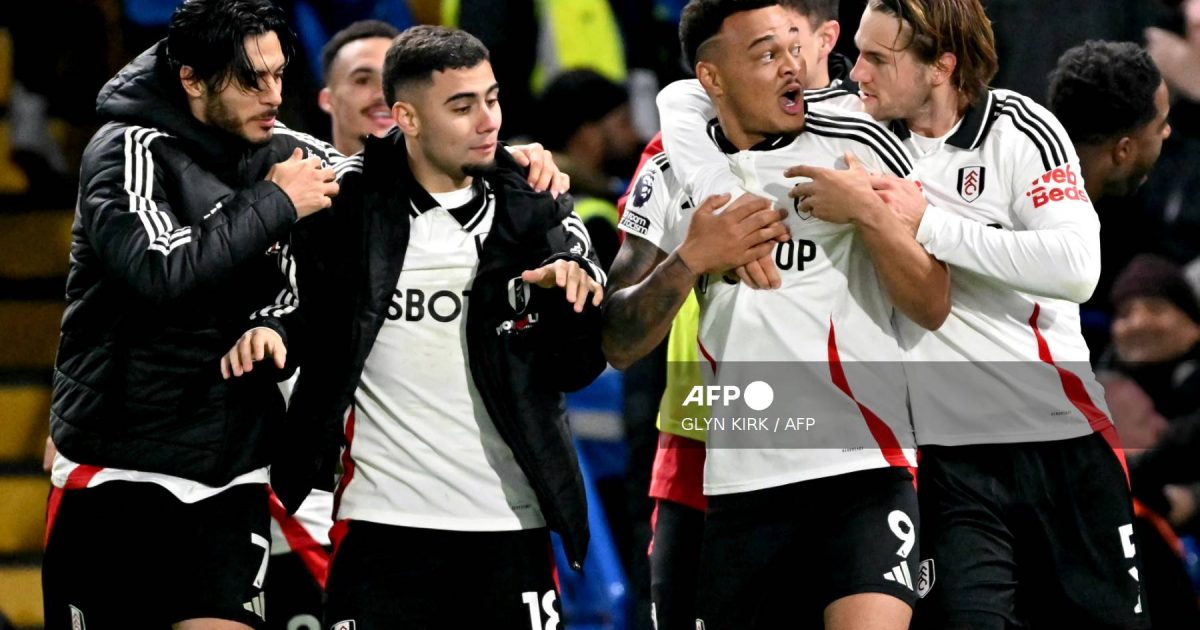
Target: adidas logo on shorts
[900, 573]
[343, 625]
[257, 606]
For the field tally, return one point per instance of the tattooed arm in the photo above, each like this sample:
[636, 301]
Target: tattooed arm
[646, 287]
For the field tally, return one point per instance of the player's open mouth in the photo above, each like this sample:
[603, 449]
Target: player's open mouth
[792, 101]
[380, 114]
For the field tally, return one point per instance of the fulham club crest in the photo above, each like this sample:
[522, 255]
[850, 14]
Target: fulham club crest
[804, 215]
[925, 578]
[970, 182]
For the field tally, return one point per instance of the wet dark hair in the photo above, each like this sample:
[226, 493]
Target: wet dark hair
[959, 27]
[702, 19]
[420, 51]
[209, 36]
[1100, 90]
[362, 29]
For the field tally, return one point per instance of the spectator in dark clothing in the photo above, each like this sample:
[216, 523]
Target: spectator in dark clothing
[1156, 334]
[1156, 345]
[586, 120]
[1169, 204]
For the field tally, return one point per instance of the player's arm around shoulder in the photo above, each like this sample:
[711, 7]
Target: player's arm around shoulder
[873, 189]
[1052, 246]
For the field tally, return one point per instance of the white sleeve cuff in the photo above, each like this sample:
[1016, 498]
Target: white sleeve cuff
[931, 223]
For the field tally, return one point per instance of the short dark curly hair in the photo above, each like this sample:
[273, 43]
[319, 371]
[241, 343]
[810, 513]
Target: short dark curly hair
[702, 19]
[419, 51]
[1101, 89]
[362, 29]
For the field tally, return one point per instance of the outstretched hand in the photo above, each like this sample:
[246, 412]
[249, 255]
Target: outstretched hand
[254, 345]
[568, 275]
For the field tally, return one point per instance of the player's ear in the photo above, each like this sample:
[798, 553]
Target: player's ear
[709, 78]
[406, 118]
[943, 68]
[827, 35]
[1122, 151]
[192, 84]
[323, 100]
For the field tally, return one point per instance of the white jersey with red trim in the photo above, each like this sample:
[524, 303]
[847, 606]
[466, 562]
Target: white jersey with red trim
[1009, 214]
[308, 527]
[824, 342]
[70, 475]
[423, 450]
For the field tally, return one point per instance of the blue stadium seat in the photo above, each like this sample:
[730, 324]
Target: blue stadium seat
[596, 598]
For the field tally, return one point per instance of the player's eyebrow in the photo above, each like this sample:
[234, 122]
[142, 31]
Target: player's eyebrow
[761, 40]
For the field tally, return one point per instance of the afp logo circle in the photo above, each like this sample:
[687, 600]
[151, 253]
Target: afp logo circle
[758, 395]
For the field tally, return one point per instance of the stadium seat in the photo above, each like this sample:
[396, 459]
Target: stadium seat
[30, 333]
[21, 595]
[22, 513]
[24, 418]
[35, 244]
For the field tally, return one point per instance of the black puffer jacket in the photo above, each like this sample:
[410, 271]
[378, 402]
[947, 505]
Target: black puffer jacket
[169, 259]
[522, 359]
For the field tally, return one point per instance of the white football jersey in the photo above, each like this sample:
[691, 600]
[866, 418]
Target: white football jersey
[824, 343]
[1008, 212]
[423, 449]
